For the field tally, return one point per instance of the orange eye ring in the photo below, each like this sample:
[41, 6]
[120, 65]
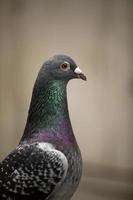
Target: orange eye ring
[65, 66]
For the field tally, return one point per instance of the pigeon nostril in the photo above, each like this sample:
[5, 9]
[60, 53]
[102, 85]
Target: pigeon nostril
[78, 70]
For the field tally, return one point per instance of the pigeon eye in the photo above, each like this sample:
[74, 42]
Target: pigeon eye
[65, 66]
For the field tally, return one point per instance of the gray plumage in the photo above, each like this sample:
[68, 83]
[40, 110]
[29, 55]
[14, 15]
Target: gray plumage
[47, 163]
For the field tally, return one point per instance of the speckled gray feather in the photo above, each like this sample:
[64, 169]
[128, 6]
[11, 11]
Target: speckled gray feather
[30, 170]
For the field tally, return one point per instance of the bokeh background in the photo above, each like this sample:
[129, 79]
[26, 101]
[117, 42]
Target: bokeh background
[98, 35]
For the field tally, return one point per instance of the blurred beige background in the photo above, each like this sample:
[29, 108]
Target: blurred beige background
[98, 35]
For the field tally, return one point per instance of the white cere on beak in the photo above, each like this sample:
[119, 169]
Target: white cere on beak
[78, 70]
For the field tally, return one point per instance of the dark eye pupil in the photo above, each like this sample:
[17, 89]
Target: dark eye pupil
[64, 65]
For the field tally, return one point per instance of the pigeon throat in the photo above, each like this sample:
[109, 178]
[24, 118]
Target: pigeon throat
[48, 106]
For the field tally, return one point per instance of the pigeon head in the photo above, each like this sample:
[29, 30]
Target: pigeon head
[61, 67]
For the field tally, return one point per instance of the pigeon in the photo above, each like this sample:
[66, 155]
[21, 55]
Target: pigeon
[47, 163]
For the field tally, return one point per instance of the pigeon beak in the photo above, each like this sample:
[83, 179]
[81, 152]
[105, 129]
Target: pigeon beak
[80, 74]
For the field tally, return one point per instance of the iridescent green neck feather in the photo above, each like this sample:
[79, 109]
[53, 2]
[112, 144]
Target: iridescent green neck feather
[48, 106]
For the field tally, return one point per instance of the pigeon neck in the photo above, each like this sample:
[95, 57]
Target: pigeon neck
[48, 109]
